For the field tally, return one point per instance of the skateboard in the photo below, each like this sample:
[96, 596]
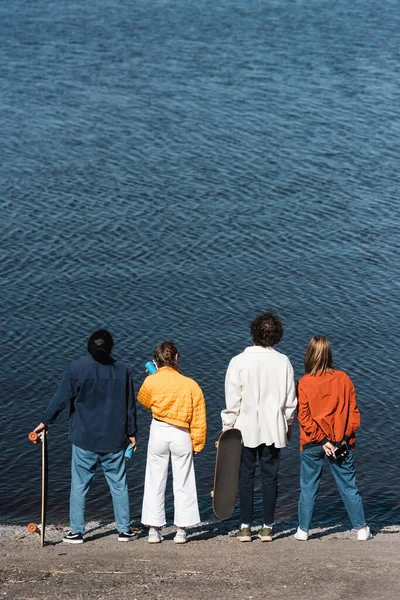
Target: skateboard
[226, 477]
[40, 438]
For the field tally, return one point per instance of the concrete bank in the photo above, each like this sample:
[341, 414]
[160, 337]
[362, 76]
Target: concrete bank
[332, 565]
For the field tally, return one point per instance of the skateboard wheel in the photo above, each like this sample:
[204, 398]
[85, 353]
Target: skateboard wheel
[33, 528]
[33, 437]
[212, 493]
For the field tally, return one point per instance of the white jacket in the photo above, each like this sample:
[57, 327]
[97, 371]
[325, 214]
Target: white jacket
[260, 396]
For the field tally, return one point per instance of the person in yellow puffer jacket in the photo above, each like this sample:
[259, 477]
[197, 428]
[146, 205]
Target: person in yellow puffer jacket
[178, 429]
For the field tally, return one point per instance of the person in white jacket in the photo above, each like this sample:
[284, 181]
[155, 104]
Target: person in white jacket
[260, 399]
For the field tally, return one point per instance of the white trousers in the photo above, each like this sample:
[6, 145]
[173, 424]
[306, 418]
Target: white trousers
[166, 439]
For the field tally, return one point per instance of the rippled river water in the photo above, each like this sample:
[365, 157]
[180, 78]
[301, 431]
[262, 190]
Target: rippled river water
[170, 169]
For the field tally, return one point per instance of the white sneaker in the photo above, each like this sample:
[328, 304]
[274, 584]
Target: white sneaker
[301, 535]
[364, 534]
[154, 537]
[180, 537]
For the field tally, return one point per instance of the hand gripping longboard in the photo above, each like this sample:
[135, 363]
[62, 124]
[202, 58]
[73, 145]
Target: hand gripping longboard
[33, 527]
[227, 469]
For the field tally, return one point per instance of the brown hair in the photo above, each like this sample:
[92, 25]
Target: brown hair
[165, 355]
[318, 358]
[266, 330]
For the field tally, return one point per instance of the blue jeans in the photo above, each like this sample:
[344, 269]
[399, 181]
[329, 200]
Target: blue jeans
[84, 465]
[311, 465]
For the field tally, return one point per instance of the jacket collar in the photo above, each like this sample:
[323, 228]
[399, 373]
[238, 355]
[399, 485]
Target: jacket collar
[258, 349]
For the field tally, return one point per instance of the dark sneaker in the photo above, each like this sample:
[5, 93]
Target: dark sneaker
[265, 534]
[244, 534]
[73, 538]
[127, 536]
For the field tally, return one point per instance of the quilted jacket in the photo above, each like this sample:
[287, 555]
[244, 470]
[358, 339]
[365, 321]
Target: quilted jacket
[177, 400]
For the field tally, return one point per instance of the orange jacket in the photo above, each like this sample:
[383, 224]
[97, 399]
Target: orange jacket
[177, 400]
[327, 409]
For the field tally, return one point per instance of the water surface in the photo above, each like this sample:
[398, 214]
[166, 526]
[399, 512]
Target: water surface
[172, 168]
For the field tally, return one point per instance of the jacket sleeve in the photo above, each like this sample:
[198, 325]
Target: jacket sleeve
[131, 424]
[233, 397]
[66, 391]
[291, 400]
[353, 422]
[198, 424]
[144, 395]
[313, 431]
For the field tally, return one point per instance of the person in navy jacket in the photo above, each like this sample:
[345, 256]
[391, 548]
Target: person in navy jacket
[99, 392]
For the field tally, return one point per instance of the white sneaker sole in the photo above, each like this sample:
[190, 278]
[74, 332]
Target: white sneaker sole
[72, 541]
[244, 538]
[155, 540]
[180, 541]
[131, 539]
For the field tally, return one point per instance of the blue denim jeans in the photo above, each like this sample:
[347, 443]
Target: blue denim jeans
[84, 465]
[311, 465]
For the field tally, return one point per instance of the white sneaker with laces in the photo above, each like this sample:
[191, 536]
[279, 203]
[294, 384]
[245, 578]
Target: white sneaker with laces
[364, 534]
[301, 535]
[180, 537]
[155, 536]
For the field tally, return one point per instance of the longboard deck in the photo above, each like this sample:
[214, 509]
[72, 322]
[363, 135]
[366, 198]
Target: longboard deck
[227, 469]
[45, 472]
[33, 527]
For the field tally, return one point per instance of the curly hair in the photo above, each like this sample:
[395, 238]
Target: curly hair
[165, 355]
[266, 330]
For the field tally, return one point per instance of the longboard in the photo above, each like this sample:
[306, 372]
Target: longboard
[226, 476]
[40, 438]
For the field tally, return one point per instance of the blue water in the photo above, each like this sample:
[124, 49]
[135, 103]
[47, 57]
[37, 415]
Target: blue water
[172, 168]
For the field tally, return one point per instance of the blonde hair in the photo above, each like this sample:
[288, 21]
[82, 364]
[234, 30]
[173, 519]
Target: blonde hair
[318, 358]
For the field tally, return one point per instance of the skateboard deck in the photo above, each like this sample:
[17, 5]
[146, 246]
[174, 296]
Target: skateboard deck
[33, 527]
[227, 469]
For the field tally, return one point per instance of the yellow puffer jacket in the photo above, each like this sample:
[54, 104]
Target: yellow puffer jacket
[177, 400]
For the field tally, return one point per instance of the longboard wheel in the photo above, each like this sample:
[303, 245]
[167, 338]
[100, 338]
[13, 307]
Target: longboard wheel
[33, 528]
[33, 437]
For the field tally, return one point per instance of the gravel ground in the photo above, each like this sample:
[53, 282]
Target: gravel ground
[213, 565]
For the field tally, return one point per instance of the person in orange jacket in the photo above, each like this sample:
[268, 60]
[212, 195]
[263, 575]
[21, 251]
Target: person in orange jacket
[178, 429]
[328, 417]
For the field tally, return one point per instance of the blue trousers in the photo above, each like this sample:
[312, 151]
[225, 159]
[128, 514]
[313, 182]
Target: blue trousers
[84, 465]
[311, 464]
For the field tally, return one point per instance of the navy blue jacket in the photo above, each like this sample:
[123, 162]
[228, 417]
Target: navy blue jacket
[101, 401]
